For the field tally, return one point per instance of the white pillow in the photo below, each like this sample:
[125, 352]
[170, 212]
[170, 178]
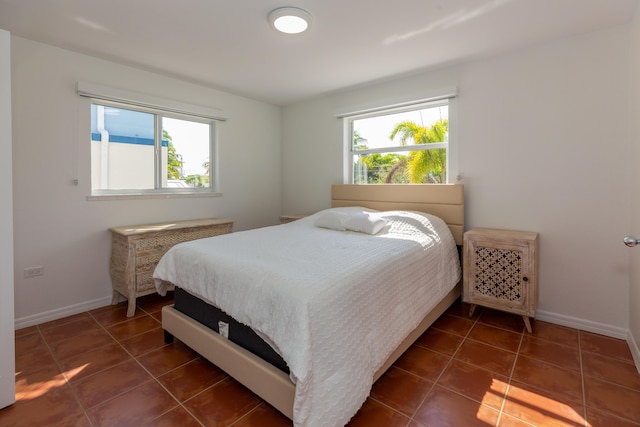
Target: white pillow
[365, 223]
[332, 220]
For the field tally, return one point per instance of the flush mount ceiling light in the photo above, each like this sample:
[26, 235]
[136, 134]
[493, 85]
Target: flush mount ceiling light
[290, 20]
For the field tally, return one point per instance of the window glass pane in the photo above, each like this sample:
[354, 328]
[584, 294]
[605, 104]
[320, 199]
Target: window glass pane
[122, 149]
[412, 167]
[401, 147]
[185, 153]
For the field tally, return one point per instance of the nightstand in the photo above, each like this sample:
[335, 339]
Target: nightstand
[290, 218]
[500, 271]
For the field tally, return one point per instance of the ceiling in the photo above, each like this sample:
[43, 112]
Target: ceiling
[229, 45]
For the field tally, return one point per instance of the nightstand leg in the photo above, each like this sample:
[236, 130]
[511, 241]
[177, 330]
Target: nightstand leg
[527, 323]
[472, 309]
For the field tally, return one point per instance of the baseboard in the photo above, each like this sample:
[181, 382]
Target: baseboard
[59, 313]
[582, 324]
[635, 351]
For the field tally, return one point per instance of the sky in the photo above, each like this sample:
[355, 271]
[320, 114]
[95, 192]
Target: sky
[191, 140]
[376, 130]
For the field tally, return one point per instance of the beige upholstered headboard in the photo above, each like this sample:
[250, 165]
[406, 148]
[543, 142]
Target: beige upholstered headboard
[443, 200]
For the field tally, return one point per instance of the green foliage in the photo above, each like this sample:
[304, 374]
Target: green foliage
[174, 161]
[377, 167]
[424, 166]
[416, 167]
[197, 181]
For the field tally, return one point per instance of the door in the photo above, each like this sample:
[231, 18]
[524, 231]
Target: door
[7, 343]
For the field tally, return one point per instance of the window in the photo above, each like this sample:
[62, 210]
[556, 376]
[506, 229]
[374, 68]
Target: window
[140, 150]
[399, 145]
[148, 146]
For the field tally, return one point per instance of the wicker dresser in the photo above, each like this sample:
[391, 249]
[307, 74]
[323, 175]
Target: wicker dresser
[136, 250]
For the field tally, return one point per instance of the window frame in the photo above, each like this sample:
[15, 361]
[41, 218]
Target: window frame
[159, 107]
[348, 132]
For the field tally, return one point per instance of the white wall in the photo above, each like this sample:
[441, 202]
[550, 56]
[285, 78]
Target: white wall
[57, 228]
[7, 343]
[634, 190]
[543, 141]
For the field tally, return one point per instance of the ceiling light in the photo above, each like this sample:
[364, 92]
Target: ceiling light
[290, 20]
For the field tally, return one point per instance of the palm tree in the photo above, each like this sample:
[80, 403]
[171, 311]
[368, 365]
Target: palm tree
[423, 166]
[174, 160]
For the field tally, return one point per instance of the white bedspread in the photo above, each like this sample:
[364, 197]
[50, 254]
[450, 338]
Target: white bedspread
[334, 304]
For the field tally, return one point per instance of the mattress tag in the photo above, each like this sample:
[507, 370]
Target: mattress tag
[223, 329]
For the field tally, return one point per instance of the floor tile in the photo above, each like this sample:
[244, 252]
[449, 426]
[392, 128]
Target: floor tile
[38, 383]
[529, 404]
[36, 361]
[166, 358]
[29, 342]
[56, 406]
[176, 417]
[187, 380]
[500, 319]
[440, 341]
[145, 342]
[551, 352]
[64, 320]
[487, 357]
[478, 384]
[597, 418]
[264, 416]
[401, 390]
[422, 362]
[222, 403]
[444, 408]
[454, 324]
[496, 337]
[110, 383]
[562, 384]
[462, 309]
[67, 330]
[81, 343]
[26, 331]
[154, 302]
[82, 365]
[455, 374]
[611, 370]
[113, 314]
[617, 400]
[133, 327]
[555, 333]
[374, 414]
[133, 408]
[605, 346]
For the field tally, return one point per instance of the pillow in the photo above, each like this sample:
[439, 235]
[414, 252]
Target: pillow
[365, 223]
[332, 220]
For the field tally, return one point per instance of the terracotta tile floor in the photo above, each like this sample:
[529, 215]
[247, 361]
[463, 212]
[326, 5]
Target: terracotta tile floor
[99, 368]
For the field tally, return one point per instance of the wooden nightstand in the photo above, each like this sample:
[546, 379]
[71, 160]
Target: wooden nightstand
[290, 218]
[136, 250]
[501, 271]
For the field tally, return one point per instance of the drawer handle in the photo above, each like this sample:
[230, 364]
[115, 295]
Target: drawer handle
[525, 279]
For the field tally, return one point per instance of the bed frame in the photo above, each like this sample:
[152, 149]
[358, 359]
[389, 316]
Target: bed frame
[267, 381]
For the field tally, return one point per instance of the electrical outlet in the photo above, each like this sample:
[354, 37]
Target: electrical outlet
[33, 271]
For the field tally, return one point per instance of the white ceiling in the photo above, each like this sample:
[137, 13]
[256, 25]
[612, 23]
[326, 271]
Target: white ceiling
[228, 44]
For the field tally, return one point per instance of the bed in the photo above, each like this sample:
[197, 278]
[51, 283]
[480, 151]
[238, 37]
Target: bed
[331, 361]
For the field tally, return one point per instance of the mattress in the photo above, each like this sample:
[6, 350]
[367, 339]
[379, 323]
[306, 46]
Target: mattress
[334, 303]
[212, 317]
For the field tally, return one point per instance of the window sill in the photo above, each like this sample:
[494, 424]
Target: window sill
[142, 196]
